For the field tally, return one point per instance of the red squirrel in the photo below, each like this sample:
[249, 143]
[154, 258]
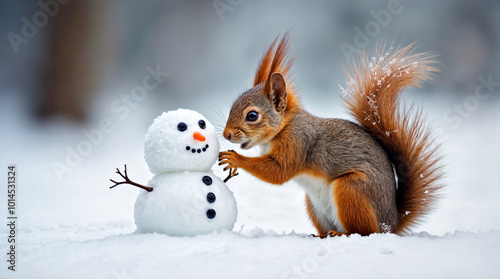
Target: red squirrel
[379, 175]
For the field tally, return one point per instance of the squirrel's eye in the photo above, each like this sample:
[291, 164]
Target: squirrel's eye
[202, 124]
[182, 127]
[252, 116]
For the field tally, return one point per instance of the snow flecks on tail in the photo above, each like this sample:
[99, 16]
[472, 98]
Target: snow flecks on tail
[372, 96]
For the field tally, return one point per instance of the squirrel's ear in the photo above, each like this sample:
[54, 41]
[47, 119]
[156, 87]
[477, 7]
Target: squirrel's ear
[277, 92]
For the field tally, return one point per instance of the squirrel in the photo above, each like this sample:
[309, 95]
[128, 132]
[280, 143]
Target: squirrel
[381, 175]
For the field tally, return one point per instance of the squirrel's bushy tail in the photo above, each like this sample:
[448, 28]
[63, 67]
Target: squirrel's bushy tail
[373, 98]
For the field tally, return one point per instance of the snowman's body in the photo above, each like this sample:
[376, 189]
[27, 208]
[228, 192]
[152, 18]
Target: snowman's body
[187, 198]
[185, 204]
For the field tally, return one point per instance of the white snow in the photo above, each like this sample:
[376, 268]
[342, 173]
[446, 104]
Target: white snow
[79, 228]
[232, 255]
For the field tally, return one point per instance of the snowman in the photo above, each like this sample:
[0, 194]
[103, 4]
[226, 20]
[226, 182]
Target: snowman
[184, 197]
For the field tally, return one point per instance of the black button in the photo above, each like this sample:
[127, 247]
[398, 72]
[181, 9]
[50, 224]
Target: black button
[187, 147]
[207, 180]
[199, 150]
[211, 214]
[193, 150]
[210, 197]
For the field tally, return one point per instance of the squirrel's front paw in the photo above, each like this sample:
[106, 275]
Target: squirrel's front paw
[229, 158]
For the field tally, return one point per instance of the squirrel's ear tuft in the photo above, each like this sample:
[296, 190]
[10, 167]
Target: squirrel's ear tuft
[277, 92]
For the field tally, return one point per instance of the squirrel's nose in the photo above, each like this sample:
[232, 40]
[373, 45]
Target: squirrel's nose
[198, 136]
[228, 134]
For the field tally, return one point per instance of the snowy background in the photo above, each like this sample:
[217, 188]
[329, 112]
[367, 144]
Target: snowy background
[70, 225]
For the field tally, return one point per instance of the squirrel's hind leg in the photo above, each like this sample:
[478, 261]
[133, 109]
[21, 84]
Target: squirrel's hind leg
[354, 210]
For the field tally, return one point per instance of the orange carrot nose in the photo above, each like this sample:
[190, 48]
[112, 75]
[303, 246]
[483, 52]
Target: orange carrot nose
[198, 136]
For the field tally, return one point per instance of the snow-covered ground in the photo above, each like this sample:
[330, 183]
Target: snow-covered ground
[75, 227]
[256, 255]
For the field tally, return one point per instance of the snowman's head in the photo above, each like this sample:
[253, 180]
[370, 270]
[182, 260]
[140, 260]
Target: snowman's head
[180, 140]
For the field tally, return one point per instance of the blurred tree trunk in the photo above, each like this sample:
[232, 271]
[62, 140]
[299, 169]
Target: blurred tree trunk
[79, 54]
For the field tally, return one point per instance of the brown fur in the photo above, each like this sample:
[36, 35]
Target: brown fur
[273, 61]
[401, 131]
[337, 158]
[354, 209]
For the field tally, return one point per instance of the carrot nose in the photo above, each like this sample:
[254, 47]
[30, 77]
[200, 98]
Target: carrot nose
[198, 136]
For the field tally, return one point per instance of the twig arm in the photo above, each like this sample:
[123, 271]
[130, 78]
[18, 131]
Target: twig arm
[128, 181]
[230, 175]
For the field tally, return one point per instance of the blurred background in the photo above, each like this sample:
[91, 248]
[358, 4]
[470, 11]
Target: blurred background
[81, 81]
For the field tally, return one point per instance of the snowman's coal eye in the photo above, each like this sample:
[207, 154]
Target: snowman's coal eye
[202, 124]
[182, 127]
